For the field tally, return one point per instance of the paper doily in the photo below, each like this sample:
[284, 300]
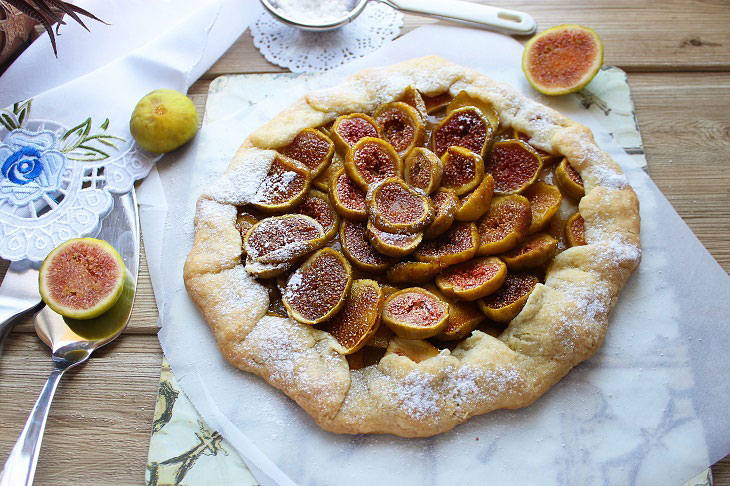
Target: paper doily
[56, 182]
[303, 51]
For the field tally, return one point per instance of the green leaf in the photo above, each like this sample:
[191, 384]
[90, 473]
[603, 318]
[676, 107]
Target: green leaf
[105, 125]
[22, 110]
[80, 131]
[8, 122]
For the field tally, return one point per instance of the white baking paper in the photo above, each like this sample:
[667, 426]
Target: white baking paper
[648, 408]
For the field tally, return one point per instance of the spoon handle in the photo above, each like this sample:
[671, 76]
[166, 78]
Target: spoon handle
[19, 469]
[502, 19]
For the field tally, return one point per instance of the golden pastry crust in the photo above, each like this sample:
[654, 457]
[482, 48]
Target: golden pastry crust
[562, 324]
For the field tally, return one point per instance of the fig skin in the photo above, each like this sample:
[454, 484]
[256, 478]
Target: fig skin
[545, 202]
[423, 160]
[366, 128]
[356, 212]
[393, 244]
[319, 283]
[438, 314]
[485, 107]
[569, 181]
[435, 102]
[267, 198]
[389, 163]
[504, 304]
[388, 220]
[322, 180]
[303, 143]
[313, 202]
[364, 304]
[244, 222]
[532, 252]
[82, 278]
[575, 231]
[464, 317]
[463, 170]
[466, 128]
[504, 225]
[404, 273]
[445, 204]
[163, 120]
[416, 350]
[500, 164]
[497, 269]
[476, 203]
[413, 98]
[400, 125]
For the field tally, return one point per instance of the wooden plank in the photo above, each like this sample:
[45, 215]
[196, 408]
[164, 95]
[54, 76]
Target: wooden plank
[673, 35]
[100, 422]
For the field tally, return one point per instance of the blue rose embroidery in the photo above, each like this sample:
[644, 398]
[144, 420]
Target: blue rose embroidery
[30, 166]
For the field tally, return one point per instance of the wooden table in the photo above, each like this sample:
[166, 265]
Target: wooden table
[677, 54]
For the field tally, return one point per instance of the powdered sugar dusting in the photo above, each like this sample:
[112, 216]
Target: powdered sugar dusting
[240, 184]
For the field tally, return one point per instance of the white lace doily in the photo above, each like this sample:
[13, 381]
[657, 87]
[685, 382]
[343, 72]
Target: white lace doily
[56, 182]
[303, 51]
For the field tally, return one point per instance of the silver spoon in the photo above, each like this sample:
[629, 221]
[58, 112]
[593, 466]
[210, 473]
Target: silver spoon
[493, 18]
[72, 342]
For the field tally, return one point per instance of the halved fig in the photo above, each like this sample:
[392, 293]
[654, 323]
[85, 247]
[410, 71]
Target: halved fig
[435, 102]
[401, 125]
[514, 166]
[312, 148]
[476, 203]
[575, 234]
[546, 157]
[464, 317]
[413, 98]
[360, 317]
[283, 239]
[371, 160]
[322, 181]
[545, 202]
[487, 109]
[569, 180]
[504, 304]
[357, 248]
[396, 207]
[416, 350]
[244, 222]
[532, 252]
[465, 127]
[347, 198]
[393, 244]
[445, 204]
[347, 130]
[457, 245]
[317, 205]
[285, 185]
[317, 290]
[412, 272]
[415, 313]
[474, 279]
[463, 170]
[423, 170]
[504, 225]
[383, 335]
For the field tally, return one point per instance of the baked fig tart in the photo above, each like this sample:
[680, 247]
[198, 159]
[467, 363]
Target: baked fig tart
[413, 247]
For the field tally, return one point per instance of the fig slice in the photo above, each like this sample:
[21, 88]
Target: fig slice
[504, 304]
[423, 170]
[347, 130]
[82, 278]
[563, 59]
[504, 225]
[546, 157]
[396, 207]
[569, 180]
[415, 313]
[357, 248]
[575, 234]
[282, 239]
[401, 125]
[464, 317]
[462, 99]
[317, 206]
[545, 202]
[412, 272]
[434, 103]
[445, 204]
[366, 356]
[284, 186]
[476, 203]
[416, 350]
[532, 252]
[473, 279]
[463, 170]
[414, 99]
[244, 222]
[514, 166]
[393, 244]
[311, 148]
[465, 127]
[360, 318]
[457, 245]
[322, 180]
[347, 198]
[317, 290]
[382, 337]
[371, 160]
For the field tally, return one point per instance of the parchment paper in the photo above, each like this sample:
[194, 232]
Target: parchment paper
[649, 408]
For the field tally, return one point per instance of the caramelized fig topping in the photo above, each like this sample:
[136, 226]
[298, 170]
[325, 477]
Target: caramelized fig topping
[569, 181]
[396, 207]
[575, 234]
[312, 148]
[423, 170]
[393, 244]
[357, 248]
[545, 202]
[445, 204]
[532, 252]
[347, 130]
[457, 245]
[463, 170]
[317, 205]
[347, 197]
[285, 185]
[465, 127]
[403, 273]
[473, 279]
[359, 320]
[514, 166]
[504, 225]
[504, 304]
[415, 313]
[371, 160]
[401, 125]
